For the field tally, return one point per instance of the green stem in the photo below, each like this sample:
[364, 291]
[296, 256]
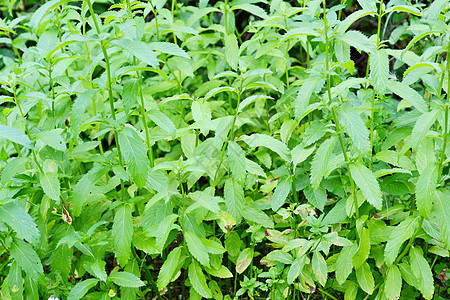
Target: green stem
[335, 119]
[147, 272]
[444, 146]
[410, 242]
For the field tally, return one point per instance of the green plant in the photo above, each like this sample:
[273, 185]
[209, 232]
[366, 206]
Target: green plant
[267, 149]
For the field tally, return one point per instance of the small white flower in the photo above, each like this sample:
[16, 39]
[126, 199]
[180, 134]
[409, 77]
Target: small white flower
[53, 298]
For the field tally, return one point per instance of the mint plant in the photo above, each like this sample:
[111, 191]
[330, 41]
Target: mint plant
[221, 150]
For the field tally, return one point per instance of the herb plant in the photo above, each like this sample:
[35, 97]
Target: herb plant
[249, 149]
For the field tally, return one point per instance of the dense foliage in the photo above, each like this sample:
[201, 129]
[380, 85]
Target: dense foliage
[252, 149]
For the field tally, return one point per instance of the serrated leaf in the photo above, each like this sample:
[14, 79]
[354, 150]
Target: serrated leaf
[232, 50]
[264, 140]
[164, 229]
[379, 69]
[234, 198]
[81, 289]
[318, 197]
[402, 232]
[126, 279]
[319, 266]
[422, 272]
[365, 278]
[222, 272]
[135, 154]
[141, 50]
[363, 251]
[236, 157]
[393, 283]
[304, 95]
[15, 135]
[20, 221]
[196, 248]
[296, 269]
[359, 41]
[367, 182]
[84, 187]
[14, 166]
[49, 180]
[409, 94]
[355, 128]
[130, 94]
[122, 233]
[197, 279]
[257, 216]
[281, 192]
[169, 48]
[162, 121]
[425, 190]
[320, 161]
[442, 213]
[53, 139]
[344, 263]
[244, 260]
[27, 258]
[253, 9]
[422, 126]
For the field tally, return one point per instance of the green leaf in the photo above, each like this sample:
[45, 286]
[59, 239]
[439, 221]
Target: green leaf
[319, 266]
[363, 251]
[435, 8]
[196, 248]
[162, 121]
[236, 157]
[232, 50]
[14, 166]
[27, 258]
[53, 139]
[359, 41]
[422, 272]
[344, 263]
[281, 192]
[234, 198]
[351, 291]
[368, 184]
[81, 288]
[49, 180]
[355, 128]
[422, 126]
[253, 9]
[244, 260]
[304, 95]
[296, 269]
[379, 69]
[425, 190]
[169, 48]
[365, 278]
[141, 50]
[84, 187]
[164, 229]
[253, 98]
[442, 213]
[264, 140]
[222, 272]
[402, 232]
[197, 279]
[257, 216]
[318, 197]
[320, 161]
[408, 94]
[135, 154]
[130, 93]
[15, 135]
[126, 279]
[20, 221]
[393, 283]
[122, 233]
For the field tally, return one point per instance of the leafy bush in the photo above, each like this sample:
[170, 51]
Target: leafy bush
[243, 149]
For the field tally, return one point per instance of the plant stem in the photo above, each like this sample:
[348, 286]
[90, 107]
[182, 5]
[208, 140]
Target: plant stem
[410, 242]
[146, 271]
[444, 146]
[335, 119]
